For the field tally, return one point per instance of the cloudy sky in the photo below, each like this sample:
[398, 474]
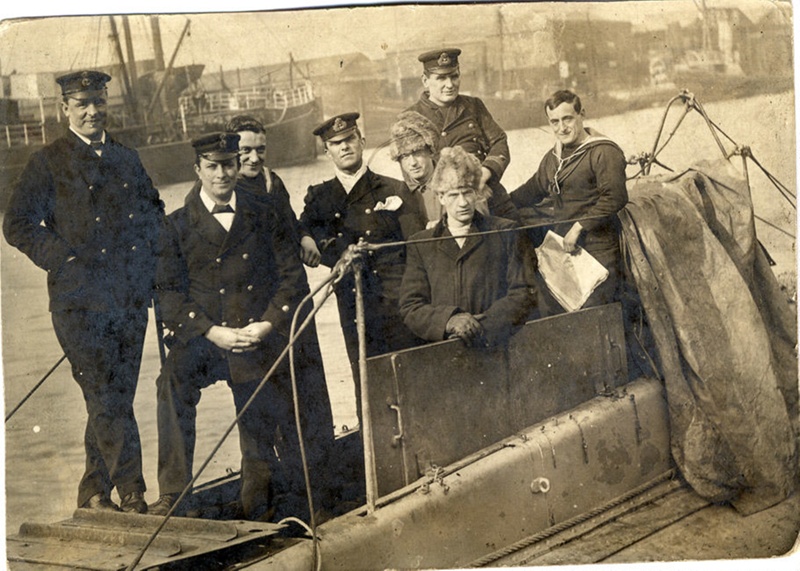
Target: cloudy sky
[243, 39]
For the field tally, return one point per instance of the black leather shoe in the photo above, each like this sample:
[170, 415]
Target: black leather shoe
[163, 504]
[134, 503]
[100, 502]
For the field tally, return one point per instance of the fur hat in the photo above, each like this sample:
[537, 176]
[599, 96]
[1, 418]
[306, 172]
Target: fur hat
[456, 169]
[410, 133]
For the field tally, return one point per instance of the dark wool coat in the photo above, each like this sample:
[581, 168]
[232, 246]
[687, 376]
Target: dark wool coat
[103, 211]
[467, 123]
[591, 182]
[489, 275]
[207, 276]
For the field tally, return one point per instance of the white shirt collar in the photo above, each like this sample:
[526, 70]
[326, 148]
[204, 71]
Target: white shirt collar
[209, 202]
[86, 139]
[349, 180]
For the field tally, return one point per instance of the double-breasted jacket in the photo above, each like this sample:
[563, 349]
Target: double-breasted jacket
[207, 276]
[91, 221]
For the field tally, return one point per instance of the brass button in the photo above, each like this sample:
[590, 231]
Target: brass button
[250, 287]
[224, 323]
[368, 211]
[103, 251]
[285, 309]
[91, 187]
[369, 232]
[192, 315]
[222, 291]
[245, 256]
[251, 320]
[133, 248]
[97, 219]
[219, 260]
[339, 235]
[337, 215]
[124, 185]
[130, 215]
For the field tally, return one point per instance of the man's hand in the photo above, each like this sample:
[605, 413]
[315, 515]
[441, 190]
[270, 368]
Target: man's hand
[309, 252]
[259, 329]
[467, 328]
[230, 339]
[572, 237]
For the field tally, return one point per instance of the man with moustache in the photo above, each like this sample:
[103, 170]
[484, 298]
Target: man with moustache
[360, 204]
[85, 211]
[581, 177]
[229, 279]
[464, 121]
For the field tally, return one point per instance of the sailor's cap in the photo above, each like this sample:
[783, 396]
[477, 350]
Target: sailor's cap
[338, 127]
[218, 146]
[440, 61]
[86, 81]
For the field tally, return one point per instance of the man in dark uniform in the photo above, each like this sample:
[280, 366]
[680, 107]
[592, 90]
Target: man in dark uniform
[85, 210]
[360, 204]
[464, 121]
[263, 183]
[229, 280]
[581, 177]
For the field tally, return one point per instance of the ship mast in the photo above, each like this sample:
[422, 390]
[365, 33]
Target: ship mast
[127, 92]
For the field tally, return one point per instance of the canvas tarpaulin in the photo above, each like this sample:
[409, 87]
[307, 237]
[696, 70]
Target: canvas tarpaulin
[725, 334]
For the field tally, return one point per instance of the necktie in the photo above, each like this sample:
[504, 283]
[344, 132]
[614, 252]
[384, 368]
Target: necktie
[221, 209]
[97, 146]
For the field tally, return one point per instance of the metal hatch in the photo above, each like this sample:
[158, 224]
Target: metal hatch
[435, 404]
[109, 541]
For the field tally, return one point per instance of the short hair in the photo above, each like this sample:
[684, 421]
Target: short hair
[563, 96]
[456, 169]
[245, 123]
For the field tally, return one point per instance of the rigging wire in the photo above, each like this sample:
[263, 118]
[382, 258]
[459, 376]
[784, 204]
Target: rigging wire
[36, 387]
[691, 103]
[331, 278]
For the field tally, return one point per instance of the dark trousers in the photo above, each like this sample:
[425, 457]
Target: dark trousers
[267, 425]
[105, 352]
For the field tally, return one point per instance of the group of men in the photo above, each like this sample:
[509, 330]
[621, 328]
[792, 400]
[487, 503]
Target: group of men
[445, 261]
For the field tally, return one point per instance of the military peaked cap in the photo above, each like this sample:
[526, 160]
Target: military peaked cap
[338, 127]
[440, 61]
[79, 81]
[218, 146]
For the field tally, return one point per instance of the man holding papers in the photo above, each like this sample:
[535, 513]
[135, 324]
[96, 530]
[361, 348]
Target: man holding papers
[580, 186]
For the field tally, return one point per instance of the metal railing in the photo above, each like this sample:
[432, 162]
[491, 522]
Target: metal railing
[256, 97]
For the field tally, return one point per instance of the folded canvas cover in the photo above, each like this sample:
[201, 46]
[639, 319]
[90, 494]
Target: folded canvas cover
[725, 334]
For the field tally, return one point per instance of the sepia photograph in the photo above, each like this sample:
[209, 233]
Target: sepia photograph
[441, 285]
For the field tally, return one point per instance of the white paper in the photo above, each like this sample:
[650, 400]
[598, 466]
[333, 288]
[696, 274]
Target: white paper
[571, 278]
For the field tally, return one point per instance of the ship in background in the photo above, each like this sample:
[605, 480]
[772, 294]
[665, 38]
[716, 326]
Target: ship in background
[157, 108]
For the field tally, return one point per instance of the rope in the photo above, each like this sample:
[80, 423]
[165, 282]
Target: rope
[768, 223]
[572, 522]
[383, 245]
[227, 432]
[36, 387]
[317, 553]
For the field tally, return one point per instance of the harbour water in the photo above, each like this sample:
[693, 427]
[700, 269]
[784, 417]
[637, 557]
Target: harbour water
[44, 450]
